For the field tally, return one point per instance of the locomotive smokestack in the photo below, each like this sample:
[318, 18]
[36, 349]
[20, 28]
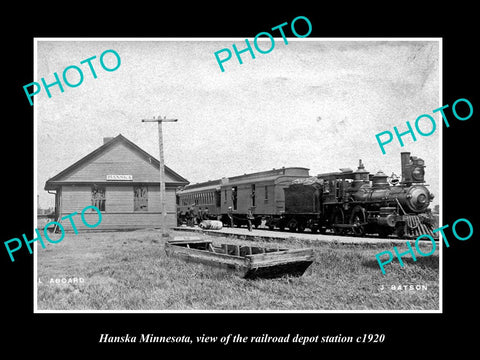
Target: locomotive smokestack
[405, 159]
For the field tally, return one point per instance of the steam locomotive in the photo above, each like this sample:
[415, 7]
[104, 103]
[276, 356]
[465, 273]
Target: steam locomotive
[358, 202]
[344, 202]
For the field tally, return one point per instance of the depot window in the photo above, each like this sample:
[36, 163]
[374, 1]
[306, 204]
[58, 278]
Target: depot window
[140, 198]
[98, 197]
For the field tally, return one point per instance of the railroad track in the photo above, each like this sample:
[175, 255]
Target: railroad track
[272, 235]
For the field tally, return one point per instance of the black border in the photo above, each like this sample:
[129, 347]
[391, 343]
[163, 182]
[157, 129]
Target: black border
[80, 332]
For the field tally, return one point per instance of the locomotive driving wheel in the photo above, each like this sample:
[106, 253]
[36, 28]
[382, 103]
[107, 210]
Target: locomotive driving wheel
[400, 229]
[358, 220]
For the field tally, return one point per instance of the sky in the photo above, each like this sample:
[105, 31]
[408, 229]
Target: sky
[314, 103]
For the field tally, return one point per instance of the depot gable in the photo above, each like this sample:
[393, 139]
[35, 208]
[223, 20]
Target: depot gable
[118, 160]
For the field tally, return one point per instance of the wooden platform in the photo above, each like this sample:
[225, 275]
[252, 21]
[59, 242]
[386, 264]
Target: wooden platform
[247, 261]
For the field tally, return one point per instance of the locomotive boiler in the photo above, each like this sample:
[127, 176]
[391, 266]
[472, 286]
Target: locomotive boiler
[358, 202]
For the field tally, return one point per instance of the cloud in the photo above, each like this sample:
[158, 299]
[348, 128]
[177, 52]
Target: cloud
[311, 103]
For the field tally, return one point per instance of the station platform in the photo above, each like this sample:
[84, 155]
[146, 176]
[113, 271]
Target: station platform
[263, 234]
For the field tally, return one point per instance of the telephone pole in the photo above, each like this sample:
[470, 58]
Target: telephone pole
[163, 217]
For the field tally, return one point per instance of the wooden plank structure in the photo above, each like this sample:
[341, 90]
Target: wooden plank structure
[120, 179]
[246, 261]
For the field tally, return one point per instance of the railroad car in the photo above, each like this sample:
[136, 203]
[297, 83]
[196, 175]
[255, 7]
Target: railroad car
[230, 198]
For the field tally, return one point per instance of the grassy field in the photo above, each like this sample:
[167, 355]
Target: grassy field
[130, 271]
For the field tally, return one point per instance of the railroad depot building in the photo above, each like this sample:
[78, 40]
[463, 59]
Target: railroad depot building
[121, 180]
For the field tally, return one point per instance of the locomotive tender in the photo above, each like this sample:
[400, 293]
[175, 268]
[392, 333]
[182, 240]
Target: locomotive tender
[344, 202]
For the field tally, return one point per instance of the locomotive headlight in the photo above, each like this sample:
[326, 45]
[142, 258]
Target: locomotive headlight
[418, 173]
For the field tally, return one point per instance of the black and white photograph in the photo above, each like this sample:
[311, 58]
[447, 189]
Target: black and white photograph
[277, 195]
[238, 181]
